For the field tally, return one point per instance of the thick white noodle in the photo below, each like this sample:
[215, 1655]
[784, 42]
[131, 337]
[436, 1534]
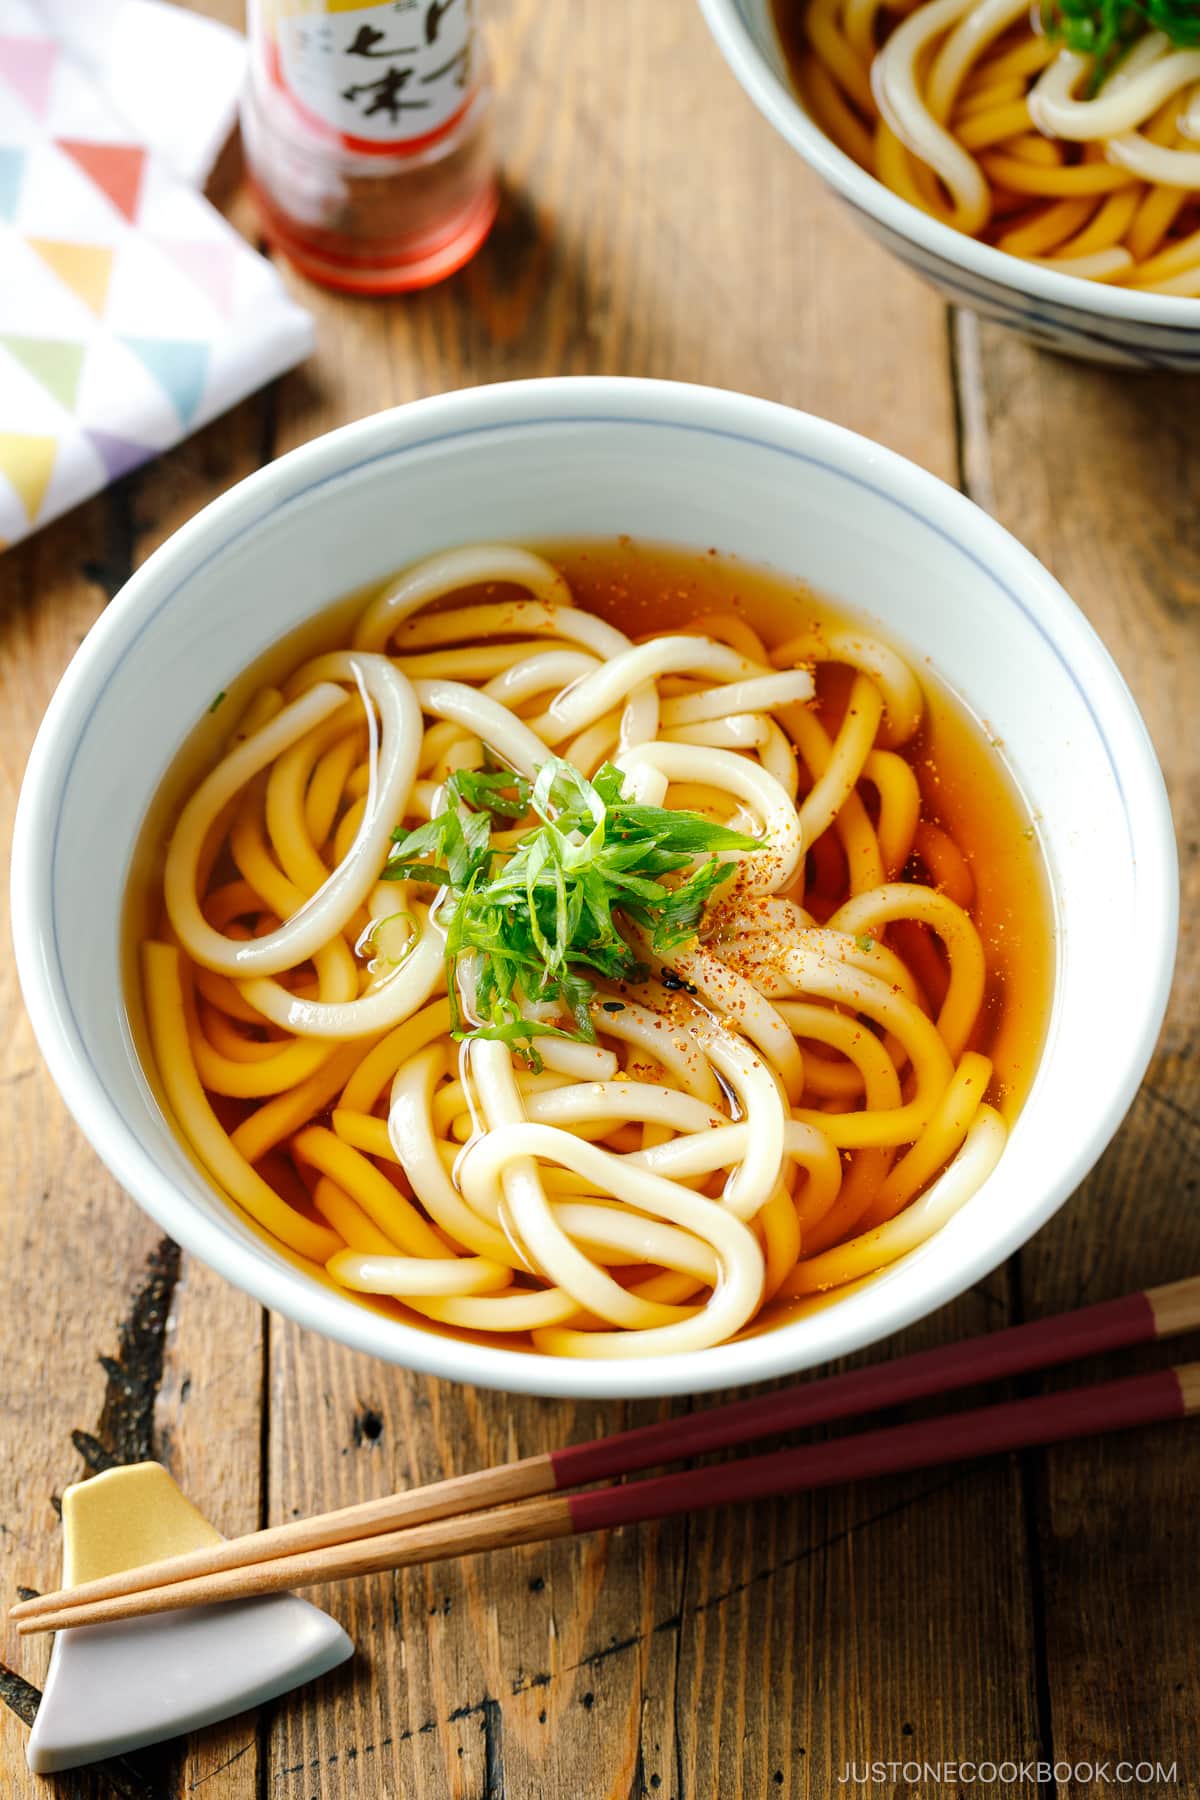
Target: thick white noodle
[587, 700]
[758, 694]
[1150, 48]
[1189, 120]
[492, 1165]
[586, 1101]
[663, 1040]
[739, 1287]
[449, 570]
[486, 719]
[981, 26]
[894, 84]
[741, 731]
[1154, 162]
[924, 1216]
[617, 1234]
[410, 1129]
[550, 615]
[435, 1276]
[1118, 107]
[388, 1001]
[549, 669]
[741, 1002]
[586, 1062]
[903, 702]
[652, 767]
[825, 976]
[762, 1108]
[335, 903]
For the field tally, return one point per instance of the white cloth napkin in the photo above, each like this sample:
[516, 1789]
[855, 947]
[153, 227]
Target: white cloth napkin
[130, 312]
[135, 51]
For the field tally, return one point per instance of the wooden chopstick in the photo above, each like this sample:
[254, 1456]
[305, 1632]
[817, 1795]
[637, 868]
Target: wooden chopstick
[1159, 1312]
[1076, 1412]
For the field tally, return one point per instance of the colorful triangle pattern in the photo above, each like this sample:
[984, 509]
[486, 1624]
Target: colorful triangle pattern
[85, 268]
[208, 262]
[118, 454]
[129, 312]
[178, 366]
[12, 173]
[116, 169]
[27, 64]
[28, 463]
[55, 362]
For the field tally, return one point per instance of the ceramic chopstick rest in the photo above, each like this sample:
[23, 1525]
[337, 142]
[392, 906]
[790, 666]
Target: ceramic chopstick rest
[113, 1688]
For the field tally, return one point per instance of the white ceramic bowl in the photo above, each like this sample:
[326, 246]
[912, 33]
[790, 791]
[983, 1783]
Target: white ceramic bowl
[551, 459]
[1060, 312]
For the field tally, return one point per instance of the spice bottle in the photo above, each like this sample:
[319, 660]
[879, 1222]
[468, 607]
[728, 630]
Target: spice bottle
[366, 126]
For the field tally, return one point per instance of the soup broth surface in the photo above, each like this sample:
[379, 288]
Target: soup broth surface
[966, 786]
[972, 818]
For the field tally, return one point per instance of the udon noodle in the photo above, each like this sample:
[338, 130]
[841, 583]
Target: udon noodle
[970, 111]
[780, 1096]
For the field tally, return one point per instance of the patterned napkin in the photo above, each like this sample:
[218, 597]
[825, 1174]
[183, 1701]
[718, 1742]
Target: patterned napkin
[130, 312]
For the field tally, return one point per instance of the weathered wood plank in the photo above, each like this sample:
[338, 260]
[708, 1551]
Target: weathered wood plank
[1100, 475]
[884, 1622]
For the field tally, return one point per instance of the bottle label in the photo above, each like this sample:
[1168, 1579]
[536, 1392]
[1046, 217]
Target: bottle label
[375, 75]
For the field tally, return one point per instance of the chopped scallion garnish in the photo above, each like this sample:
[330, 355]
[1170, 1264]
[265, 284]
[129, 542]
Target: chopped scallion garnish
[531, 922]
[1104, 29]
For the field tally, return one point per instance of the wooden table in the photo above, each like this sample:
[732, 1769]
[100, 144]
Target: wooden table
[1041, 1608]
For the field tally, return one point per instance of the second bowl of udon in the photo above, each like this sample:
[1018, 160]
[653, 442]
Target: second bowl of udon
[595, 887]
[980, 151]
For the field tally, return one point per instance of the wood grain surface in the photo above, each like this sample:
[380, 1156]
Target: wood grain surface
[1037, 1609]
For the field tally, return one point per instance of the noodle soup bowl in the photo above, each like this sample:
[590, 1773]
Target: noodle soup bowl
[1077, 317]
[553, 460]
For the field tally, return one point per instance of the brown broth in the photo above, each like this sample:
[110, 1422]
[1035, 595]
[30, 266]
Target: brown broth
[647, 589]
[966, 787]
[787, 16]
